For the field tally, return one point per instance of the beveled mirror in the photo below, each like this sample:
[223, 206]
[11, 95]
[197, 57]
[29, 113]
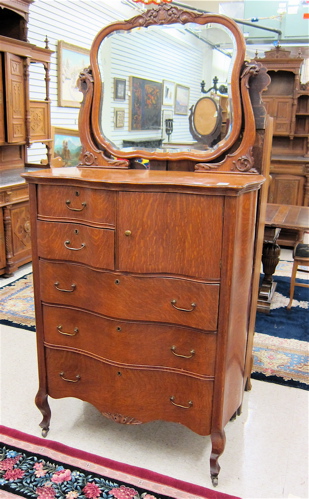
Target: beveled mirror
[146, 75]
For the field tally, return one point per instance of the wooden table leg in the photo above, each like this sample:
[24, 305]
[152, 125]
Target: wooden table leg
[270, 260]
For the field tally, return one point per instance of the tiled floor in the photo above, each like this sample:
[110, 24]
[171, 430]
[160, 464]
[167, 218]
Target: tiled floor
[266, 453]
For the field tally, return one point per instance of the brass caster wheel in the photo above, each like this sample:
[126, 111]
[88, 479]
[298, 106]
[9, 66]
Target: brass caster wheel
[215, 480]
[44, 432]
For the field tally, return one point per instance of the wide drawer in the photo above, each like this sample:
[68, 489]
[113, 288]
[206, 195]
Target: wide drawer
[77, 243]
[131, 342]
[131, 297]
[139, 394]
[95, 206]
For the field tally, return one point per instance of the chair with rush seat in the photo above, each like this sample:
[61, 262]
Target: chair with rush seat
[301, 257]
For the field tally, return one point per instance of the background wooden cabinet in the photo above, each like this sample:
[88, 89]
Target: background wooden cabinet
[286, 189]
[287, 101]
[22, 122]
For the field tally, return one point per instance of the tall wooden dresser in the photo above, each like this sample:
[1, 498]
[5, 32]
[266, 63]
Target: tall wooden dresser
[143, 278]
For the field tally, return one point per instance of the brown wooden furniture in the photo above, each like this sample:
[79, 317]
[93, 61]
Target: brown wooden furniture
[301, 257]
[15, 242]
[143, 278]
[278, 217]
[22, 122]
[287, 100]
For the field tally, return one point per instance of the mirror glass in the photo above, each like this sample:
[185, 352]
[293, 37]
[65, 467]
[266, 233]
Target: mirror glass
[151, 80]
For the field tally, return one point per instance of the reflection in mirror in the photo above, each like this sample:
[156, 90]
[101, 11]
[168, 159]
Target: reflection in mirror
[153, 74]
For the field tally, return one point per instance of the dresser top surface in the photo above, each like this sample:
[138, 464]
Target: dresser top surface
[124, 178]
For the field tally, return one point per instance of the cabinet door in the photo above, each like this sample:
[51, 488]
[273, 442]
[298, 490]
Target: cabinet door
[15, 98]
[280, 108]
[18, 239]
[170, 233]
[286, 189]
[283, 115]
[2, 129]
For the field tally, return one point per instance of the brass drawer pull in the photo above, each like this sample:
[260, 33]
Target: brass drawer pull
[193, 305]
[59, 329]
[78, 378]
[192, 352]
[83, 245]
[190, 403]
[73, 286]
[68, 202]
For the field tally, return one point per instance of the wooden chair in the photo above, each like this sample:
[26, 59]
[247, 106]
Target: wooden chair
[301, 257]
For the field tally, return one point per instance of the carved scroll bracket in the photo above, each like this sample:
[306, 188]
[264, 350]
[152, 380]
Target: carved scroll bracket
[91, 155]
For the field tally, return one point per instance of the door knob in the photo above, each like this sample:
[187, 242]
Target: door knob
[127, 233]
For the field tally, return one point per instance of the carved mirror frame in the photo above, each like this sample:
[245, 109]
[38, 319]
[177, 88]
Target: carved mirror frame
[98, 151]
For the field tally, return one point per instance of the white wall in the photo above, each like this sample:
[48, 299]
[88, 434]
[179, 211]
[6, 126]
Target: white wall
[75, 22]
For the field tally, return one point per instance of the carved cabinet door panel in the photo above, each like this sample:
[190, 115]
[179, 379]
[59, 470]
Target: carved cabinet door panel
[2, 129]
[286, 189]
[170, 233]
[15, 98]
[280, 108]
[21, 237]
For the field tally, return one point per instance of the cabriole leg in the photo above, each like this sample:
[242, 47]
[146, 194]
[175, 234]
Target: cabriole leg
[41, 401]
[218, 445]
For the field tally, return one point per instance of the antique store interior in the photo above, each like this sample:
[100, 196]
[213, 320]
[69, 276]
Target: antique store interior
[266, 455]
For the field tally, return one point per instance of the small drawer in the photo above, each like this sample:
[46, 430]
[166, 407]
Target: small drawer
[131, 342]
[131, 297]
[14, 195]
[95, 206]
[137, 394]
[76, 243]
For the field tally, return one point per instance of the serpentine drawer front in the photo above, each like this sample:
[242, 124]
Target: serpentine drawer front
[170, 300]
[165, 394]
[95, 206]
[138, 343]
[76, 243]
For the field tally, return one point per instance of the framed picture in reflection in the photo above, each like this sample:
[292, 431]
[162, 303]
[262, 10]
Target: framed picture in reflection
[119, 89]
[182, 96]
[145, 104]
[119, 118]
[168, 93]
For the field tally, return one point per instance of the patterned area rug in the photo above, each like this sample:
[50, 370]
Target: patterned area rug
[43, 469]
[17, 306]
[280, 343]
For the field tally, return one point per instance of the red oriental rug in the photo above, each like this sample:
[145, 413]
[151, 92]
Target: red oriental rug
[43, 469]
